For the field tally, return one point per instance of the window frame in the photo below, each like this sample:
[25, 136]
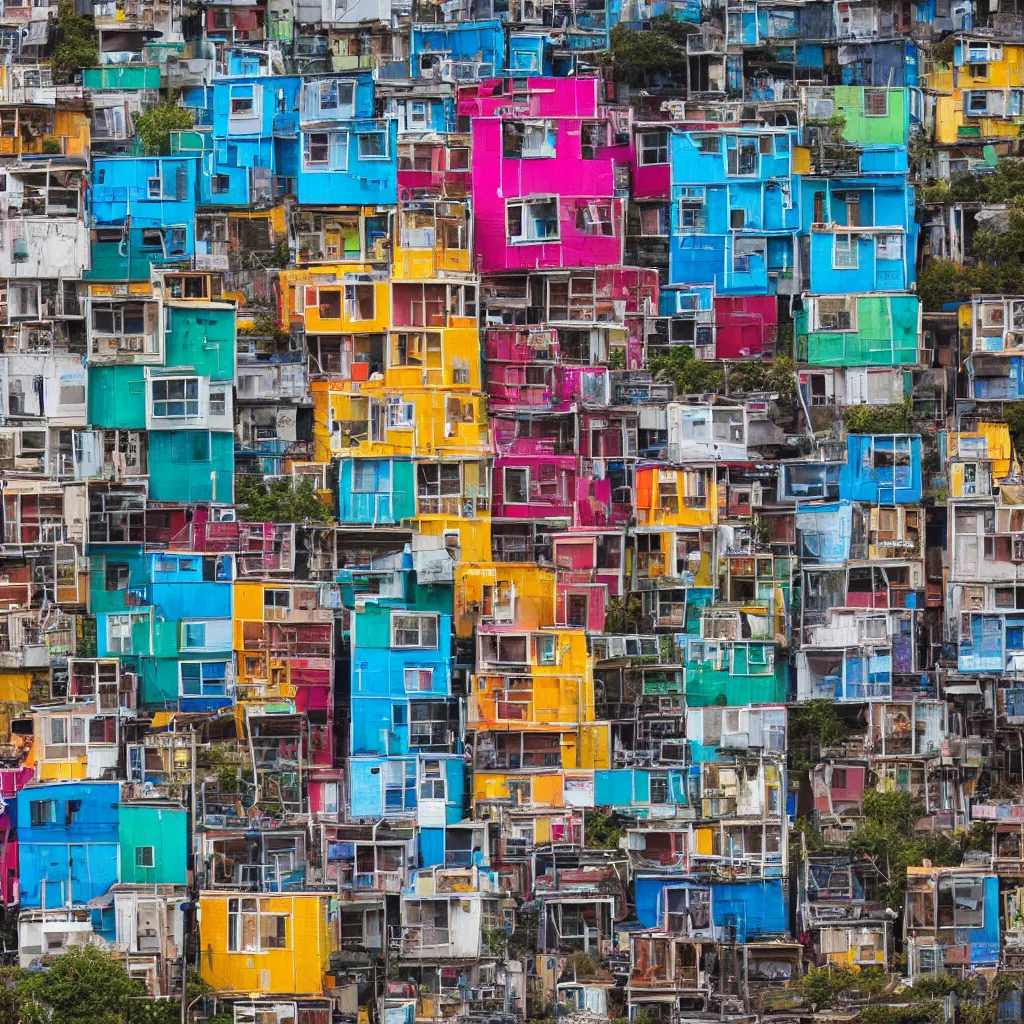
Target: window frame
[420, 618]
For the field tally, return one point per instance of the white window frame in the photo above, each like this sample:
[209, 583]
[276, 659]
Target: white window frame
[526, 221]
[420, 619]
[194, 413]
[202, 680]
[852, 249]
[360, 136]
[875, 92]
[645, 147]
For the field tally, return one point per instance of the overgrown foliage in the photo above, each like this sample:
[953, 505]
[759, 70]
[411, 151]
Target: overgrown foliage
[155, 125]
[778, 376]
[886, 836]
[658, 51]
[1013, 414]
[626, 616]
[602, 831]
[690, 375]
[280, 502]
[82, 986]
[999, 254]
[76, 46]
[878, 419]
[817, 724]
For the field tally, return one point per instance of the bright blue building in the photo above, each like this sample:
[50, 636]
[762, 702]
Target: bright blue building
[735, 209]
[882, 469]
[67, 843]
[143, 211]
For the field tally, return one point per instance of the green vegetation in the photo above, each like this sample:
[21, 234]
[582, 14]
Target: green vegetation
[816, 724]
[602, 831]
[280, 502]
[626, 616]
[660, 50]
[155, 125]
[689, 374]
[76, 42]
[878, 419]
[85, 986]
[887, 838]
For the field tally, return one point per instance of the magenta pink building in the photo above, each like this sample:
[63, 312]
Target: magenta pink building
[544, 178]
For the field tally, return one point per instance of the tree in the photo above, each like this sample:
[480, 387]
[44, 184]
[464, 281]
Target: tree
[659, 50]
[155, 125]
[81, 986]
[626, 616]
[886, 836]
[878, 419]
[76, 42]
[282, 503]
[690, 375]
[602, 831]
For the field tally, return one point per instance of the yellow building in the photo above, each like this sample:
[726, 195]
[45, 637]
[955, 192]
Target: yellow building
[265, 943]
[676, 497]
[976, 98]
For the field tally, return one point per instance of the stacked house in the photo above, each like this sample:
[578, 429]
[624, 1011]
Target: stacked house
[511, 510]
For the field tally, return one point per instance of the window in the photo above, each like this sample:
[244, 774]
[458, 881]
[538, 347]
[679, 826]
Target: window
[203, 678]
[528, 140]
[154, 189]
[654, 221]
[329, 96]
[532, 220]
[325, 150]
[176, 397]
[218, 403]
[254, 927]
[428, 728]
[545, 647]
[193, 634]
[373, 145]
[888, 247]
[741, 154]
[43, 812]
[419, 680]
[145, 856]
[400, 415]
[243, 103]
[845, 252]
[595, 218]
[439, 488]
[658, 788]
[838, 313]
[116, 576]
[691, 216]
[317, 149]
[119, 633]
[876, 103]
[416, 114]
[653, 148]
[593, 137]
[360, 301]
[517, 486]
[432, 784]
[276, 603]
[413, 630]
[708, 145]
[977, 103]
[220, 184]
